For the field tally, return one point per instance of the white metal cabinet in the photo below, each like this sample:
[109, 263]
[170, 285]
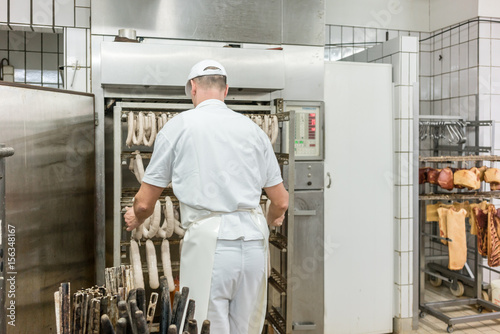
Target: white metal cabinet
[359, 270]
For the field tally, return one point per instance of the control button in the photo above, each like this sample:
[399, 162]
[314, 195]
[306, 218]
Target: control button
[309, 175]
[309, 167]
[309, 183]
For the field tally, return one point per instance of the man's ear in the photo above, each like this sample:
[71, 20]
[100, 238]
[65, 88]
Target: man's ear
[193, 87]
[226, 91]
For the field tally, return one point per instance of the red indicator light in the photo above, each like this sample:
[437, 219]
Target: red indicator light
[312, 115]
[313, 129]
[313, 122]
[312, 145]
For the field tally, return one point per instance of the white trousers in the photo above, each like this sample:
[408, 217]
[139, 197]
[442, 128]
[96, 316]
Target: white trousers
[238, 277]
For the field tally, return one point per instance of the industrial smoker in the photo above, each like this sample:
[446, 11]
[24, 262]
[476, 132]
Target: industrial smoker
[269, 58]
[252, 91]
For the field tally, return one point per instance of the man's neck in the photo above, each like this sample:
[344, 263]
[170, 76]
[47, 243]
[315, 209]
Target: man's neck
[200, 97]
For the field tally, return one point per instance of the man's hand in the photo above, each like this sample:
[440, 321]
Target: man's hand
[144, 204]
[279, 204]
[130, 219]
[277, 222]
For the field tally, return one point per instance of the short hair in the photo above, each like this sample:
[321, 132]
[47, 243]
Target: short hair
[211, 81]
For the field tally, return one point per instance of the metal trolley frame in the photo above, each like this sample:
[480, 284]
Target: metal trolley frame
[280, 239]
[433, 308]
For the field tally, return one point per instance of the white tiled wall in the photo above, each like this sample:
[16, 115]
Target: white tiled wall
[489, 78]
[77, 56]
[460, 75]
[36, 57]
[43, 15]
[402, 53]
[343, 41]
[449, 71]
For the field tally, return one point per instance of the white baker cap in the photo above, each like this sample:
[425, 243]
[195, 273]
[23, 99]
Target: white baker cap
[201, 69]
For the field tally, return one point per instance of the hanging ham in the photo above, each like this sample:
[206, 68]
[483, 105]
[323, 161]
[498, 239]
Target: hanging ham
[457, 247]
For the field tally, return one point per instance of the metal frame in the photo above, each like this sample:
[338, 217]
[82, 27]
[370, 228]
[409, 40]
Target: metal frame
[432, 308]
[4, 153]
[291, 218]
[117, 182]
[419, 270]
[417, 247]
[284, 243]
[118, 113]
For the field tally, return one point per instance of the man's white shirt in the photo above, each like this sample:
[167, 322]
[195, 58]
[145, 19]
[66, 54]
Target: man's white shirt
[218, 161]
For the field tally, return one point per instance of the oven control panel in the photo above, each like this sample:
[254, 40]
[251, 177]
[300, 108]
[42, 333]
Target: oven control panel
[308, 131]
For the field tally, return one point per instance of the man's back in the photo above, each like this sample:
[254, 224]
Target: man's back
[221, 159]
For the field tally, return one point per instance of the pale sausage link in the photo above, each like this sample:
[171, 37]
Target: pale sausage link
[178, 229]
[152, 265]
[139, 130]
[138, 167]
[162, 230]
[152, 136]
[169, 215]
[147, 128]
[135, 260]
[155, 221]
[164, 119]
[265, 125]
[167, 265]
[130, 127]
[274, 129]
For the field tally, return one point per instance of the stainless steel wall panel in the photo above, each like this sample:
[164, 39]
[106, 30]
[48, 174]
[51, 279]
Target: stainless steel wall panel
[169, 65]
[42, 12]
[20, 11]
[64, 13]
[308, 175]
[49, 196]
[306, 283]
[304, 22]
[218, 20]
[304, 68]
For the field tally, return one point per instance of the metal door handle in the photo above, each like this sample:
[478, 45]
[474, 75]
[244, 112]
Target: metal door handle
[304, 212]
[329, 180]
[303, 326]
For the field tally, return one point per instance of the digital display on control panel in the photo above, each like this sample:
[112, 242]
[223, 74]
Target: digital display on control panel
[307, 136]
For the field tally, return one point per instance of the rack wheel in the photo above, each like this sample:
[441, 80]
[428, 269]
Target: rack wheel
[435, 281]
[459, 291]
[449, 329]
[485, 295]
[480, 309]
[422, 314]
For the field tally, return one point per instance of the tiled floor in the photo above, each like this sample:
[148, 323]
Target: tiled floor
[430, 324]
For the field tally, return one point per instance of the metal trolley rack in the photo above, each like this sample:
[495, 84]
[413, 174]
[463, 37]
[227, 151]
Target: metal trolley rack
[279, 298]
[123, 195]
[478, 300]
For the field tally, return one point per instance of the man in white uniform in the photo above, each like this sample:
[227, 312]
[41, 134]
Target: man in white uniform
[218, 162]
